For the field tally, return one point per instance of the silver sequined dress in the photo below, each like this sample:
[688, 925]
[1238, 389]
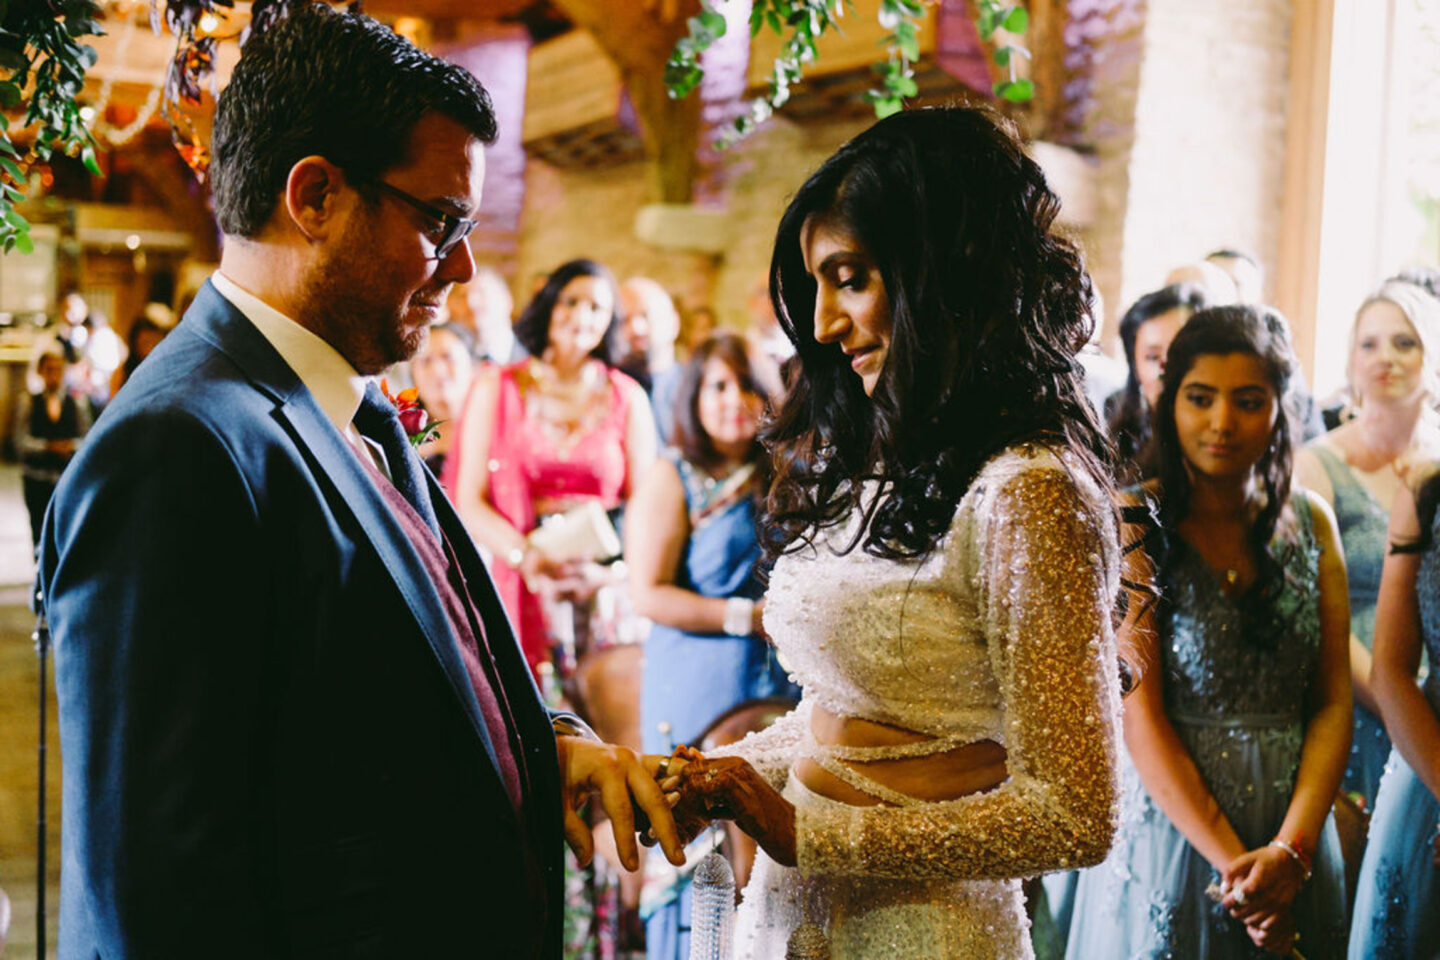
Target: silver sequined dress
[1002, 633]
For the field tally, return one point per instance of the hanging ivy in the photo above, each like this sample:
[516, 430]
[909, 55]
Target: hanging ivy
[41, 54]
[991, 17]
[193, 65]
[801, 23]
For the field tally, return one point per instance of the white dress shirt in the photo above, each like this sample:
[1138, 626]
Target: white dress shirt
[334, 384]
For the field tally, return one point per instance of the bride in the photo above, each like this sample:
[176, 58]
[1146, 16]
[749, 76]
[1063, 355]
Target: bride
[946, 562]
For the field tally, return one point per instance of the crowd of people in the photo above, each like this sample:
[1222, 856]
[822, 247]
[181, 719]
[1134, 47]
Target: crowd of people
[1015, 609]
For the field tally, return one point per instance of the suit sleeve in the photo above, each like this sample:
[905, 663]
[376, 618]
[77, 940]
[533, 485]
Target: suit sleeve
[156, 576]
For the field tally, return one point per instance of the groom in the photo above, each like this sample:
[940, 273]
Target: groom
[294, 720]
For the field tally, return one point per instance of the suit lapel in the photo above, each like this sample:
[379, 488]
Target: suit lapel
[337, 466]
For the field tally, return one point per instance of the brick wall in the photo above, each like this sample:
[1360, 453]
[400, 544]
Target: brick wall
[572, 213]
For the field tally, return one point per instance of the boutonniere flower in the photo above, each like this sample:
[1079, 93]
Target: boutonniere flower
[413, 419]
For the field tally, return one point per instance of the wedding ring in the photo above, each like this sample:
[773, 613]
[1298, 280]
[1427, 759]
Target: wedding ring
[1240, 900]
[709, 774]
[662, 769]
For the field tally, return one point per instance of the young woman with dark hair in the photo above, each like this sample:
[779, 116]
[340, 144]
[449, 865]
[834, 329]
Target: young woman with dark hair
[945, 560]
[540, 437]
[693, 553]
[1239, 730]
[1397, 902]
[1145, 332]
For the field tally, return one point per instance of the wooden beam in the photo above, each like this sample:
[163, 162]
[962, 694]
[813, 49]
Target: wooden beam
[639, 39]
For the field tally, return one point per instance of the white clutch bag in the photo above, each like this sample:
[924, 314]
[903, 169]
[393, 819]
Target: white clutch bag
[583, 532]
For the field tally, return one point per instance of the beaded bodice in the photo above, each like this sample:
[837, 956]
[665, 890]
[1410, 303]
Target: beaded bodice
[1211, 669]
[1362, 522]
[1002, 632]
[905, 642]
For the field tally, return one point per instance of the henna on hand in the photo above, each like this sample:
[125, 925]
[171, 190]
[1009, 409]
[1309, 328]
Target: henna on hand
[728, 788]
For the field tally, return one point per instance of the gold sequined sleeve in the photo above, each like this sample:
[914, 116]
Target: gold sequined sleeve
[772, 751]
[1043, 561]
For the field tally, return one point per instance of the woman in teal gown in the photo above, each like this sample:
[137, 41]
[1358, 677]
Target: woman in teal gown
[692, 550]
[1393, 364]
[1397, 902]
[1237, 734]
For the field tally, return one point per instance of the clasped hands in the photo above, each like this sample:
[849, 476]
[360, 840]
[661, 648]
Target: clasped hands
[668, 800]
[1260, 885]
[701, 790]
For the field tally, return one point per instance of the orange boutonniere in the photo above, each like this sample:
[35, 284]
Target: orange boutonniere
[413, 418]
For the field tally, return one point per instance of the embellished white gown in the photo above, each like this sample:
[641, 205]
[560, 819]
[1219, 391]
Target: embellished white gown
[1002, 633]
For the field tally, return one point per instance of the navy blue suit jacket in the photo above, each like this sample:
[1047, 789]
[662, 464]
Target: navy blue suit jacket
[271, 747]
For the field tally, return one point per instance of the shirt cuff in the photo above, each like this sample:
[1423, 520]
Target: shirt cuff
[569, 725]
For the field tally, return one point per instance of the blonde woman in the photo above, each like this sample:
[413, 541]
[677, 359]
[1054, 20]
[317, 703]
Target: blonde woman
[1361, 466]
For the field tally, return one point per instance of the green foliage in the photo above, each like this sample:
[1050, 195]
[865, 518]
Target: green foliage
[992, 16]
[40, 44]
[802, 22]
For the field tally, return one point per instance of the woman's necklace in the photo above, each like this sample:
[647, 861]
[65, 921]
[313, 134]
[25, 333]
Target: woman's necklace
[566, 411]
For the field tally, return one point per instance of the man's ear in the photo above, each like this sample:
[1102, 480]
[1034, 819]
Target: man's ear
[315, 196]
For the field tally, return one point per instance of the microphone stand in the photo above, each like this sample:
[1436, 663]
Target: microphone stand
[42, 649]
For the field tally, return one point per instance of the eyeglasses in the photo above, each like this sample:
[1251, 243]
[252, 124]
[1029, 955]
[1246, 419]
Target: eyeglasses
[453, 229]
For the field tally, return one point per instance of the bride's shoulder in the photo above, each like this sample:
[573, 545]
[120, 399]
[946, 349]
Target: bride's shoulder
[1025, 470]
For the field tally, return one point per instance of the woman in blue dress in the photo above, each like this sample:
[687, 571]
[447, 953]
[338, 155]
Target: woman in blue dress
[1357, 468]
[692, 549]
[1238, 731]
[1397, 903]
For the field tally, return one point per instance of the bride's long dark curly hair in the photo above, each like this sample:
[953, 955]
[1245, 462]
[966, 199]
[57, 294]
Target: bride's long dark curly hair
[988, 305]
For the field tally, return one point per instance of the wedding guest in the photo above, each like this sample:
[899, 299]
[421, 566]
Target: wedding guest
[700, 325]
[48, 428]
[154, 322]
[1397, 903]
[1104, 374]
[1427, 278]
[492, 314]
[693, 551]
[1359, 469]
[1145, 332]
[442, 372]
[1244, 271]
[944, 582]
[104, 354]
[646, 337]
[1212, 279]
[542, 436]
[1238, 731]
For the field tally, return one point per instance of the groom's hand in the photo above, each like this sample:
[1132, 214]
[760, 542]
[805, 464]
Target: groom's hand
[588, 767]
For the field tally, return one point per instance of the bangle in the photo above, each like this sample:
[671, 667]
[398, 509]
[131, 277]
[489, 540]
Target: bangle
[739, 617]
[1294, 854]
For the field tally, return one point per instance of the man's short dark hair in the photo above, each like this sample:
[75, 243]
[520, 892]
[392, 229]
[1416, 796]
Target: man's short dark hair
[322, 82]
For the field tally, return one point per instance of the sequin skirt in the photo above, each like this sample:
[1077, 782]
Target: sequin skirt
[1397, 901]
[884, 919]
[1148, 898]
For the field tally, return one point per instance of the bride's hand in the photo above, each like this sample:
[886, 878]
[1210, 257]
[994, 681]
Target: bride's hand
[727, 788]
[689, 821]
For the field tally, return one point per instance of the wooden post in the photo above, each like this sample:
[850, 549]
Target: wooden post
[639, 41]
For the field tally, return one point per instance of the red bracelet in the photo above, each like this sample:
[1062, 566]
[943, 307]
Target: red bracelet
[1295, 853]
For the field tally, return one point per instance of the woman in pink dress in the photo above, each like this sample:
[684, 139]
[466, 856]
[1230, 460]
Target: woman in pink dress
[546, 435]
